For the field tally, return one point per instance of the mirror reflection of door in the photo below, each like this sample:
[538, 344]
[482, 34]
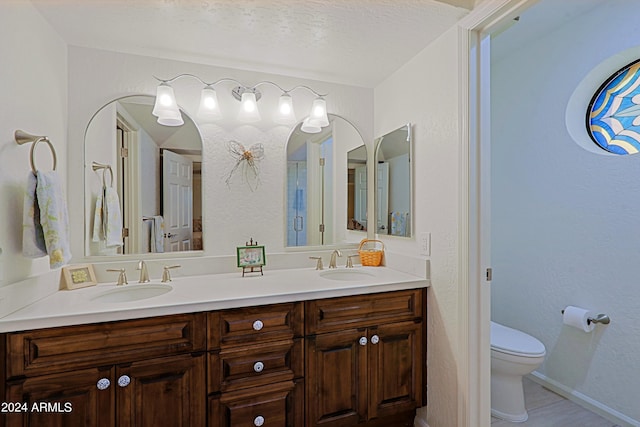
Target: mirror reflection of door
[177, 201]
[357, 189]
[382, 194]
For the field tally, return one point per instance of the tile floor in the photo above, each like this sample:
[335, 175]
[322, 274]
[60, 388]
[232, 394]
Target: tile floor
[548, 409]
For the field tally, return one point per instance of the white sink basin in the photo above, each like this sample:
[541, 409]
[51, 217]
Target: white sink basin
[129, 293]
[346, 274]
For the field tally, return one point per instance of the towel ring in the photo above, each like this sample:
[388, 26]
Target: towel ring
[97, 166]
[104, 180]
[23, 137]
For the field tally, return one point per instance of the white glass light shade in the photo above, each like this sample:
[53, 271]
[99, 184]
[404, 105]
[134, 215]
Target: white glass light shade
[249, 108]
[165, 101]
[209, 108]
[171, 118]
[310, 126]
[319, 112]
[285, 114]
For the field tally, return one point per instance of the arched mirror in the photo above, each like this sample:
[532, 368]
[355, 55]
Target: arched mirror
[393, 195]
[318, 201]
[143, 191]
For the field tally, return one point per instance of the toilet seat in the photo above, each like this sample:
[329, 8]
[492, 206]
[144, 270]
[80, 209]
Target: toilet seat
[517, 343]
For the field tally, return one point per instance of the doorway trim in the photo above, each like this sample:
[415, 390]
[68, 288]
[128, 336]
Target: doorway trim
[474, 368]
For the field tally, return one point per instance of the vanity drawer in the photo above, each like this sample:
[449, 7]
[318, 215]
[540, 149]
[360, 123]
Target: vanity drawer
[337, 314]
[259, 364]
[275, 405]
[255, 324]
[73, 347]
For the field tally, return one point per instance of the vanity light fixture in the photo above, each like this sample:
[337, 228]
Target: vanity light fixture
[168, 113]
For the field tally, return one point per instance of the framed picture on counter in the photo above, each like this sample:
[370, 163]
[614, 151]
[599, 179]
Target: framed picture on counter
[78, 276]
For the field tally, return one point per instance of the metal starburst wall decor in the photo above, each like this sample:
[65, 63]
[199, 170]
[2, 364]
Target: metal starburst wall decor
[246, 163]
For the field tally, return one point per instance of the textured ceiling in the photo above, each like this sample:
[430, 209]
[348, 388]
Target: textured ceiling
[358, 42]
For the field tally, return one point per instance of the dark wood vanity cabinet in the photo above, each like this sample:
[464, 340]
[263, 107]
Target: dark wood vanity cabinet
[145, 372]
[371, 373]
[332, 362]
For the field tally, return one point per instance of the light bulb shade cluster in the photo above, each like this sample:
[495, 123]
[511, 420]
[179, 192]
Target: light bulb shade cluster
[165, 108]
[318, 117]
[168, 114]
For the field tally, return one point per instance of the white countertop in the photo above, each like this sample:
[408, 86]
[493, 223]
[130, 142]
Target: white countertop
[204, 293]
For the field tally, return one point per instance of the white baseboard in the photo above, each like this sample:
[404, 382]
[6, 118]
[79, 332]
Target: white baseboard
[584, 401]
[419, 422]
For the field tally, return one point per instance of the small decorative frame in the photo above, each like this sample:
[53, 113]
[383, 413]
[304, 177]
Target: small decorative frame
[251, 258]
[78, 276]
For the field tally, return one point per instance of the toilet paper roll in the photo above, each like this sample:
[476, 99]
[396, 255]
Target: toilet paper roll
[578, 318]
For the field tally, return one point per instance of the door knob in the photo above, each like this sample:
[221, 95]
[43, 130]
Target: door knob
[363, 341]
[375, 339]
[258, 421]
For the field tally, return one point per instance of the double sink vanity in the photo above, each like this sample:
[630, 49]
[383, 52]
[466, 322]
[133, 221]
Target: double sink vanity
[295, 347]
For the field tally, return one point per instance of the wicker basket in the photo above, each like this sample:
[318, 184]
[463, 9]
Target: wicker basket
[371, 252]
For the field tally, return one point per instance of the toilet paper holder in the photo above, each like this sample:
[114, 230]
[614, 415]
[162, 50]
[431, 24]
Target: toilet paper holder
[600, 318]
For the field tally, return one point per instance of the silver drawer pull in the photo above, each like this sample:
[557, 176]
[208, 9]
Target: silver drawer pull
[258, 366]
[258, 421]
[363, 341]
[375, 339]
[257, 325]
[124, 381]
[103, 383]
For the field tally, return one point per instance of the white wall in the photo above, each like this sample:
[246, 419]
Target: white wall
[424, 92]
[565, 220]
[33, 83]
[231, 215]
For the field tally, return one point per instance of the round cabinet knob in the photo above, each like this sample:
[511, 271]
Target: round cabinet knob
[258, 366]
[258, 421]
[103, 383]
[363, 341]
[124, 381]
[257, 325]
[375, 339]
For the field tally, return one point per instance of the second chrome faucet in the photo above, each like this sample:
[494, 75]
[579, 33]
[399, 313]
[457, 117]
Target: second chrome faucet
[144, 272]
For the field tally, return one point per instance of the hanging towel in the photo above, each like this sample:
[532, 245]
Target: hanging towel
[107, 218]
[54, 218]
[399, 223]
[98, 224]
[157, 234]
[33, 245]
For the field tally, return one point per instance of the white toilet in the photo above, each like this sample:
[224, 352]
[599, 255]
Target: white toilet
[513, 355]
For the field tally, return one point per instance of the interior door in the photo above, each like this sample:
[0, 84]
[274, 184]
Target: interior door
[177, 201]
[360, 208]
[382, 198]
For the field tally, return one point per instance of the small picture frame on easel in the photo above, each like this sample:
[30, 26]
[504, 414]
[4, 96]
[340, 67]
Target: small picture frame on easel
[251, 258]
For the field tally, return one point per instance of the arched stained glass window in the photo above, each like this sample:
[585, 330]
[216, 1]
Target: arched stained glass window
[613, 116]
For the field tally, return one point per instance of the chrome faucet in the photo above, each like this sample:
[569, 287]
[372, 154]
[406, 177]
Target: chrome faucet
[332, 261]
[122, 277]
[319, 265]
[144, 272]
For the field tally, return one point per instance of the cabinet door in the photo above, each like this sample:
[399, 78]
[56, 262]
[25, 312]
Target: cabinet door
[336, 379]
[395, 368]
[168, 391]
[68, 399]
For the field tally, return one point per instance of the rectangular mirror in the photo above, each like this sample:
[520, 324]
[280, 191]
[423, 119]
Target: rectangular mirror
[393, 180]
